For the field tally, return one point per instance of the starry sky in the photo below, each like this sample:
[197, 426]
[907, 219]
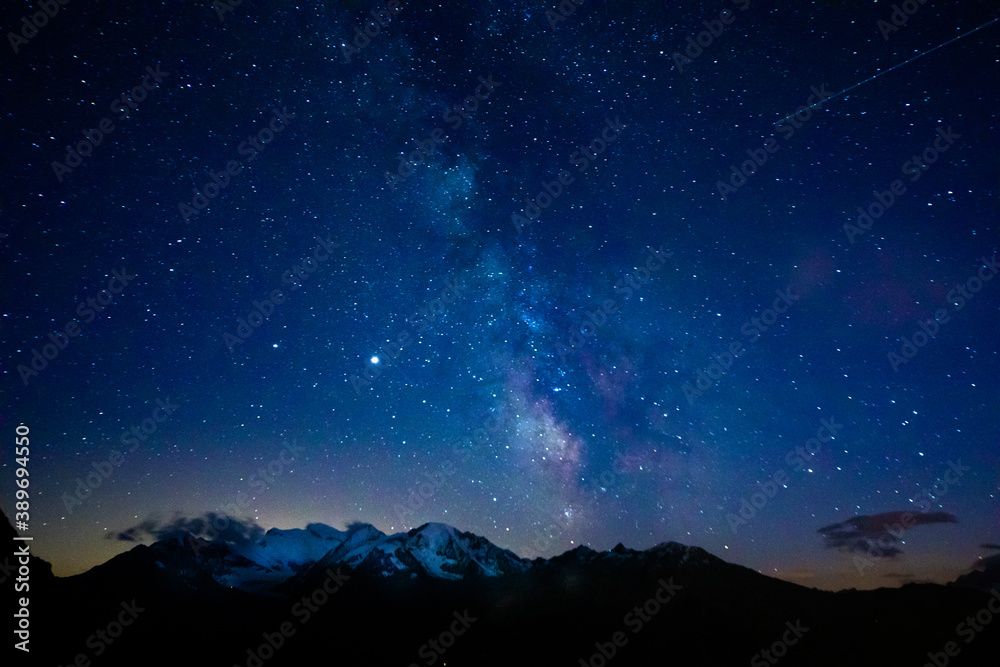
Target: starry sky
[553, 277]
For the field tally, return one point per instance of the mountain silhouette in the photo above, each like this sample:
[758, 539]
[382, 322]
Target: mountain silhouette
[438, 596]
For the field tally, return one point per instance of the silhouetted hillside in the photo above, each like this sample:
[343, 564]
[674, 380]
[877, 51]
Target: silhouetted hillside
[434, 602]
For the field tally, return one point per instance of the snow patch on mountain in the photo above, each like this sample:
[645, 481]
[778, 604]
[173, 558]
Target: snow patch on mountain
[294, 549]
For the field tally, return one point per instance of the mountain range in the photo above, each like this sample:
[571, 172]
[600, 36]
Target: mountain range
[438, 596]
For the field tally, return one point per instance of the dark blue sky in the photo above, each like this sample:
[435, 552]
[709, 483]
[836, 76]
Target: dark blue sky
[555, 289]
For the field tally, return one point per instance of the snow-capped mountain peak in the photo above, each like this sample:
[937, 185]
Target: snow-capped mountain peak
[434, 550]
[442, 551]
[293, 548]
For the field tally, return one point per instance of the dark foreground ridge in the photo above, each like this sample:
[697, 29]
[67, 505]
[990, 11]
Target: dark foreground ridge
[436, 596]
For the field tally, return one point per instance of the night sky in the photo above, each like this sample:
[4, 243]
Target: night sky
[497, 268]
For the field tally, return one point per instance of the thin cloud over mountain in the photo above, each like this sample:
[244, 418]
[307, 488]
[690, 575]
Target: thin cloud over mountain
[211, 525]
[877, 534]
